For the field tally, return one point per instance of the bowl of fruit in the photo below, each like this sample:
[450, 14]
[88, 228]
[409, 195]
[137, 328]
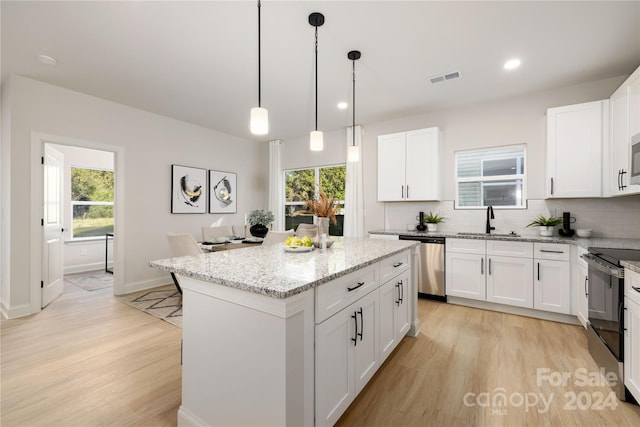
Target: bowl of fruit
[298, 244]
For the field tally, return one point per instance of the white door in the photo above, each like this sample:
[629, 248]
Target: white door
[389, 298]
[403, 320]
[422, 165]
[551, 289]
[465, 275]
[366, 351]
[391, 167]
[510, 281]
[52, 243]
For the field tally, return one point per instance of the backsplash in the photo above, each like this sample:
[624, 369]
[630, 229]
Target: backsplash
[612, 217]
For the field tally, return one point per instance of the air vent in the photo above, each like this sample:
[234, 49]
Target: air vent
[444, 77]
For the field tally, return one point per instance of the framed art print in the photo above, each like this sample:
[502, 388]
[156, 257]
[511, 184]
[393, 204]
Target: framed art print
[188, 189]
[223, 193]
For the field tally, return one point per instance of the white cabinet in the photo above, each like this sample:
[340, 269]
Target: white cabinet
[552, 286]
[394, 313]
[575, 138]
[632, 333]
[465, 268]
[357, 323]
[409, 166]
[582, 287]
[509, 273]
[347, 356]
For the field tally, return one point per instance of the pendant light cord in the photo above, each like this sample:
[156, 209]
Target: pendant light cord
[316, 78]
[353, 127]
[259, 61]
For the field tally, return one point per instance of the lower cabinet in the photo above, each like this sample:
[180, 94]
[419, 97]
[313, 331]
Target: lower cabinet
[347, 356]
[394, 314]
[352, 342]
[632, 347]
[532, 276]
[582, 287]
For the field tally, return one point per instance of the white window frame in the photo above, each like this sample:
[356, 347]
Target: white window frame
[492, 180]
[87, 203]
[316, 180]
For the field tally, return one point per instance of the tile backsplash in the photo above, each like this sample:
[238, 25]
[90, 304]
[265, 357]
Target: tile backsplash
[612, 217]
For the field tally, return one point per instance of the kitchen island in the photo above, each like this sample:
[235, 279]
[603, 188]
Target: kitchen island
[278, 338]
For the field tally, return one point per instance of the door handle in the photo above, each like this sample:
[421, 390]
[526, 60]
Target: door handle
[622, 173]
[489, 266]
[619, 180]
[402, 192]
[361, 324]
[481, 265]
[355, 337]
[397, 264]
[551, 252]
[407, 191]
[552, 186]
[538, 272]
[635, 288]
[398, 288]
[400, 291]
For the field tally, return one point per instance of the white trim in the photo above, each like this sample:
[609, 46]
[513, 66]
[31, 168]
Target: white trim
[84, 268]
[186, 418]
[38, 140]
[15, 312]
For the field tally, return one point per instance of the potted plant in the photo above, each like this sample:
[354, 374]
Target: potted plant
[432, 221]
[545, 224]
[325, 210]
[259, 220]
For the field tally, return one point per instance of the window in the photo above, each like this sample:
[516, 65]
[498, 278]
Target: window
[300, 185]
[91, 202]
[491, 177]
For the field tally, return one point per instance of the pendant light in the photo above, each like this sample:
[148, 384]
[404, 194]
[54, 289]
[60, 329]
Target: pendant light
[315, 138]
[259, 123]
[353, 154]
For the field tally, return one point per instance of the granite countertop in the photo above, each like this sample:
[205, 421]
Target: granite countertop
[269, 270]
[598, 242]
[631, 265]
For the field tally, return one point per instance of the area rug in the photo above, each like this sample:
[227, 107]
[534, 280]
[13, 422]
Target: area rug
[91, 280]
[164, 303]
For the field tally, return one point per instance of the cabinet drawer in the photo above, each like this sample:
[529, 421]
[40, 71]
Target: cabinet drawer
[510, 248]
[466, 246]
[394, 265]
[336, 295]
[555, 251]
[631, 281]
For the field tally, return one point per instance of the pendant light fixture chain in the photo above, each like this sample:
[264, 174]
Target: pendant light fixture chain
[259, 57]
[315, 138]
[259, 119]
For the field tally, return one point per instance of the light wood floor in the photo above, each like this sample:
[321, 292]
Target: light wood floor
[90, 360]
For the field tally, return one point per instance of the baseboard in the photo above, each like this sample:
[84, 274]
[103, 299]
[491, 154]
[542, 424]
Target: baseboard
[84, 268]
[15, 312]
[520, 311]
[187, 419]
[145, 284]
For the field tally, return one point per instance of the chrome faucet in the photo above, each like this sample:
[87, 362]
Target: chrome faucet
[489, 218]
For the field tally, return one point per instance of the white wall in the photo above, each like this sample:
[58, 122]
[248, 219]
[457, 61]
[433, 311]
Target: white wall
[151, 143]
[296, 153]
[518, 120]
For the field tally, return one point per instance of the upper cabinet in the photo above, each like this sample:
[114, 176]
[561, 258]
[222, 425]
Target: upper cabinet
[625, 122]
[576, 135]
[408, 166]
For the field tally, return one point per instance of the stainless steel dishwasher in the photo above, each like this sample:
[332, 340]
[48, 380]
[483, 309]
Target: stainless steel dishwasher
[431, 267]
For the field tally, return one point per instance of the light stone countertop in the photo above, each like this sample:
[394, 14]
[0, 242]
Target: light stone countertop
[269, 270]
[631, 265]
[597, 242]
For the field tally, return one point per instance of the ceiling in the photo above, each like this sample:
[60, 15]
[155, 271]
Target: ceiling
[197, 61]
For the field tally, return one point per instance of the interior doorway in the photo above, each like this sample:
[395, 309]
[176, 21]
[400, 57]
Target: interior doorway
[91, 215]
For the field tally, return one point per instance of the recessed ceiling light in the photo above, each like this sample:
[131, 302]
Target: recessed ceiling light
[342, 105]
[47, 60]
[512, 64]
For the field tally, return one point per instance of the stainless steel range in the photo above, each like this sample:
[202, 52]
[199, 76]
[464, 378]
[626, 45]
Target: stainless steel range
[606, 306]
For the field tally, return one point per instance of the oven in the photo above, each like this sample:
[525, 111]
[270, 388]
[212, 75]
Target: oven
[606, 307]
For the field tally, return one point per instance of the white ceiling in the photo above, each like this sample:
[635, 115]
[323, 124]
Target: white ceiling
[197, 61]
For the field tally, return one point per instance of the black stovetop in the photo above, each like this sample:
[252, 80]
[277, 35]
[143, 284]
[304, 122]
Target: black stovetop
[614, 256]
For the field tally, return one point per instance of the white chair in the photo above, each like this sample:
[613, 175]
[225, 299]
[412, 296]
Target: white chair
[182, 244]
[276, 236]
[310, 230]
[212, 233]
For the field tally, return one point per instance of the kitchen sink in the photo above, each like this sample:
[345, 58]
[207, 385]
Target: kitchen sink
[492, 234]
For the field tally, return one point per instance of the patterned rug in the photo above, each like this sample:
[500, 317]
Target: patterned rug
[91, 280]
[164, 303]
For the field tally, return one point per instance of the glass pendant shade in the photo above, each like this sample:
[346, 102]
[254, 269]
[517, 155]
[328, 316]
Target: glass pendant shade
[353, 153]
[259, 124]
[316, 141]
